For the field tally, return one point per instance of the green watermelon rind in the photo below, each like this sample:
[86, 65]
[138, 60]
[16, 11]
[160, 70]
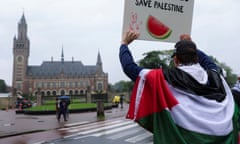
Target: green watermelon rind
[162, 37]
[165, 36]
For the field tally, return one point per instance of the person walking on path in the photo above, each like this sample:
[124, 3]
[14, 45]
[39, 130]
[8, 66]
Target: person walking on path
[57, 103]
[190, 103]
[62, 110]
[121, 101]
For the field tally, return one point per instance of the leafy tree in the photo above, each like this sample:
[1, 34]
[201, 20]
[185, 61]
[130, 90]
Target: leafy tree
[3, 86]
[230, 77]
[122, 86]
[156, 59]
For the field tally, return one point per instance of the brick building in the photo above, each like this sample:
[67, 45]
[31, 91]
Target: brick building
[53, 78]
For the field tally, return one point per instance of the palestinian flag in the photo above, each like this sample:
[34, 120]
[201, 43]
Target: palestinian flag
[178, 117]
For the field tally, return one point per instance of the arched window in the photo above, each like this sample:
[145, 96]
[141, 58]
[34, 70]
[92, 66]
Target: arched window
[76, 92]
[81, 91]
[48, 93]
[62, 92]
[70, 92]
[100, 87]
[54, 93]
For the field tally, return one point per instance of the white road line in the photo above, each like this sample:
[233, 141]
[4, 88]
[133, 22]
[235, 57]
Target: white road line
[123, 134]
[40, 142]
[150, 143]
[92, 127]
[8, 124]
[103, 128]
[77, 123]
[115, 130]
[139, 137]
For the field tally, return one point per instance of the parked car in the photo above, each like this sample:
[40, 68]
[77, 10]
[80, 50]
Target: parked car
[23, 103]
[116, 100]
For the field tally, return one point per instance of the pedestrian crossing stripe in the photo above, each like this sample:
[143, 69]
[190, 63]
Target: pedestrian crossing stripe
[111, 129]
[76, 124]
[139, 137]
[124, 134]
[114, 130]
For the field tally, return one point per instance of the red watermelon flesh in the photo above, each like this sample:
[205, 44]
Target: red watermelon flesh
[157, 29]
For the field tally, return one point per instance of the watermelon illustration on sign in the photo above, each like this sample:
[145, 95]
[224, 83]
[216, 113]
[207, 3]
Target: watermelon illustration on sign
[157, 29]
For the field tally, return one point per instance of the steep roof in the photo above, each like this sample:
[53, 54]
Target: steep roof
[68, 68]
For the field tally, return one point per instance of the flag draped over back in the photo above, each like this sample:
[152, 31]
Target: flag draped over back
[181, 119]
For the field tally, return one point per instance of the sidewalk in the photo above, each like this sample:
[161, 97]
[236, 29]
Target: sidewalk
[12, 124]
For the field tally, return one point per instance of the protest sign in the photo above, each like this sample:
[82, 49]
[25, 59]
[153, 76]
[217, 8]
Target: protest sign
[158, 20]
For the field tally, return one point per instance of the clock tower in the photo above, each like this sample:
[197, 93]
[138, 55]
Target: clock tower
[20, 57]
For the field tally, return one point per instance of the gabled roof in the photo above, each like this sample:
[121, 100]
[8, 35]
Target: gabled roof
[68, 68]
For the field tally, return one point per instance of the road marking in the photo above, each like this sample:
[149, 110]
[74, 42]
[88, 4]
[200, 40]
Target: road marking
[8, 124]
[102, 128]
[40, 142]
[75, 124]
[89, 126]
[123, 134]
[139, 137]
[115, 130]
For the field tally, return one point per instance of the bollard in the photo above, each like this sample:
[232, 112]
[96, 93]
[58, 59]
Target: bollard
[100, 108]
[20, 107]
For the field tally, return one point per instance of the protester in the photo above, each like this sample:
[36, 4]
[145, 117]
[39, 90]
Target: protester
[188, 104]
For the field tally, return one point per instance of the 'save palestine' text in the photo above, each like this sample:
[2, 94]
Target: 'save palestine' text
[160, 5]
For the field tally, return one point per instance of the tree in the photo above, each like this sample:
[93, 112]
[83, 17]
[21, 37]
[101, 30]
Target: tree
[230, 77]
[3, 86]
[122, 86]
[156, 59]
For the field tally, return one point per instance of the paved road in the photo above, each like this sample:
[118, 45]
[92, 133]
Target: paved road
[117, 131]
[27, 128]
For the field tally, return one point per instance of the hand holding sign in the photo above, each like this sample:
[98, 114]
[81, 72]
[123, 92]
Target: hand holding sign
[129, 36]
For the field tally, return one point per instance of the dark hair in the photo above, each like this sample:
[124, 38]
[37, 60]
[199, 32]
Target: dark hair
[187, 59]
[186, 52]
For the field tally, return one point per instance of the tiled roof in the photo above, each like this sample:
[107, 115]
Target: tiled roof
[68, 68]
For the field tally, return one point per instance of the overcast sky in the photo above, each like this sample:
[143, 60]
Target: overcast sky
[84, 28]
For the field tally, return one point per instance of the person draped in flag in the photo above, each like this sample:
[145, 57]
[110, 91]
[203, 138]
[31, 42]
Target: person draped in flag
[190, 103]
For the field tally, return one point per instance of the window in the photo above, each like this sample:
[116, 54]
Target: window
[62, 92]
[62, 84]
[99, 87]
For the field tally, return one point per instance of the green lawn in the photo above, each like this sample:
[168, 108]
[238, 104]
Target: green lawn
[51, 106]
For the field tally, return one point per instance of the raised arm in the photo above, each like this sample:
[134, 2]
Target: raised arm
[130, 68]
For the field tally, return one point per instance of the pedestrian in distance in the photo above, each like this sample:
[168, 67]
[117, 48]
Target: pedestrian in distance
[121, 101]
[57, 103]
[190, 103]
[62, 110]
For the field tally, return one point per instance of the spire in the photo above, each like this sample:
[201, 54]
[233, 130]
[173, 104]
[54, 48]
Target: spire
[22, 28]
[99, 60]
[62, 56]
[99, 63]
[23, 21]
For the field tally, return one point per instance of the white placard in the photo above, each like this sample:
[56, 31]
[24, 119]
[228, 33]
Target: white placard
[158, 20]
